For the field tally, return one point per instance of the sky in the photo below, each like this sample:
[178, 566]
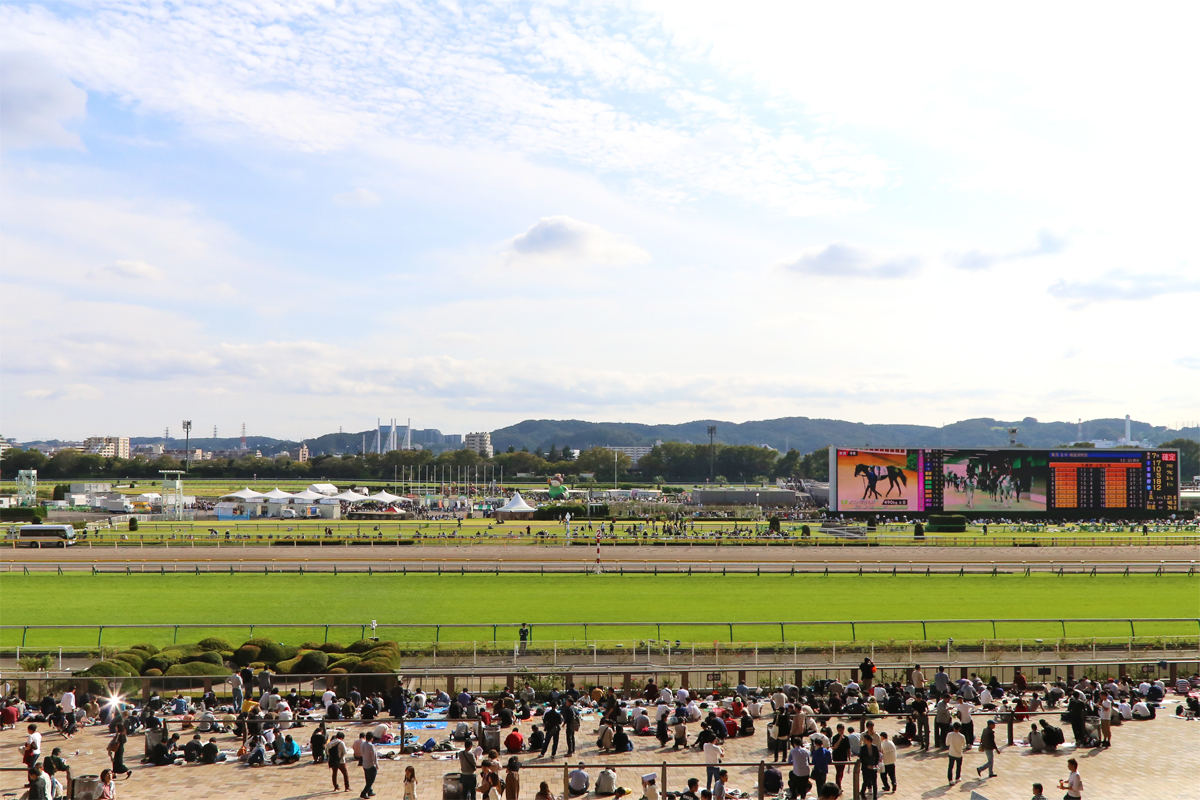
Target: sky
[308, 214]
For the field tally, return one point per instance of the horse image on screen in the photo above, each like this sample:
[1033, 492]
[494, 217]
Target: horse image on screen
[879, 480]
[993, 480]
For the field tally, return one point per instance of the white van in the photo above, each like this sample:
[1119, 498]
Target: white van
[46, 536]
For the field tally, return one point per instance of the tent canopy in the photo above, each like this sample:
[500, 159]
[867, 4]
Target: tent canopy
[350, 497]
[306, 496]
[327, 489]
[278, 494]
[246, 495]
[384, 497]
[517, 504]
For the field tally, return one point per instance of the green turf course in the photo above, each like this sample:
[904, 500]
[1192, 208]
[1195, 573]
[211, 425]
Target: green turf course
[225, 601]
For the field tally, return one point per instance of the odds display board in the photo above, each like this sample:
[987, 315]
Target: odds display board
[1074, 482]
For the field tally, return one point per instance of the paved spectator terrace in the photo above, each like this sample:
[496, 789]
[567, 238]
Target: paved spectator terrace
[1157, 759]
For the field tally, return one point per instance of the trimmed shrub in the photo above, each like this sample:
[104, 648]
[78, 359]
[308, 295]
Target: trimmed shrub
[107, 669]
[344, 664]
[152, 673]
[194, 668]
[149, 648]
[373, 665]
[135, 661]
[332, 647]
[246, 654]
[162, 661]
[268, 651]
[208, 658]
[361, 646]
[214, 643]
[337, 671]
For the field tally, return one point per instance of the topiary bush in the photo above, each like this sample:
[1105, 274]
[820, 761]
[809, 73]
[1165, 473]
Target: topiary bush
[332, 647]
[270, 652]
[208, 658]
[246, 655]
[214, 643]
[195, 668]
[344, 664]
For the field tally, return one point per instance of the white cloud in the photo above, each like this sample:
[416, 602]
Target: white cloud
[130, 269]
[1047, 244]
[848, 261]
[357, 197]
[1121, 286]
[563, 240]
[37, 103]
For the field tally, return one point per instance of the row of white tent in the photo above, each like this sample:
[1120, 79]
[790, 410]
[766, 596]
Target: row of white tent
[277, 495]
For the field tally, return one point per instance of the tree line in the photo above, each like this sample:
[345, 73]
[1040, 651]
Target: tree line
[671, 461]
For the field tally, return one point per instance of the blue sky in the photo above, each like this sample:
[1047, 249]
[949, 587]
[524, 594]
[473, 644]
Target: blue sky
[308, 214]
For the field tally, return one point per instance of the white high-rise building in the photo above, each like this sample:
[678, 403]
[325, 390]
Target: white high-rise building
[107, 446]
[480, 442]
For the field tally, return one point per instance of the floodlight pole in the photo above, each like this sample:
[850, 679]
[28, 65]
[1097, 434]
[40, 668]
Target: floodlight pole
[187, 448]
[712, 452]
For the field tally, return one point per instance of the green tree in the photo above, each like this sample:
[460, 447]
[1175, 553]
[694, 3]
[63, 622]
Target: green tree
[1189, 456]
[600, 460]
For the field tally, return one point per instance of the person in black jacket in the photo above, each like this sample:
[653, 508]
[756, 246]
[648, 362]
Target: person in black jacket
[989, 747]
[552, 722]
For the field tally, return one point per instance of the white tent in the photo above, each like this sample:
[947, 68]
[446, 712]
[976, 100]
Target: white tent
[350, 497]
[516, 504]
[306, 496]
[278, 494]
[246, 495]
[327, 489]
[384, 497]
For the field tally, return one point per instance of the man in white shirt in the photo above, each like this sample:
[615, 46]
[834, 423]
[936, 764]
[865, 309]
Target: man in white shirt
[712, 762]
[881, 694]
[918, 678]
[1073, 785]
[68, 702]
[966, 726]
[682, 695]
[1125, 710]
[887, 758]
[328, 698]
[1106, 711]
[779, 700]
[1141, 710]
[985, 697]
[956, 743]
[33, 746]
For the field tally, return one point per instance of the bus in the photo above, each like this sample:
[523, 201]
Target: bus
[46, 535]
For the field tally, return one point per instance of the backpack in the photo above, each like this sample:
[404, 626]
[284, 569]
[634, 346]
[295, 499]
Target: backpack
[462, 731]
[772, 781]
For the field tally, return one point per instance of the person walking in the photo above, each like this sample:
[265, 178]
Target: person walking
[336, 756]
[989, 747]
[820, 757]
[868, 759]
[1106, 712]
[370, 766]
[1073, 785]
[956, 743]
[887, 763]
[712, 762]
[799, 777]
[840, 747]
[942, 718]
[116, 751]
[570, 725]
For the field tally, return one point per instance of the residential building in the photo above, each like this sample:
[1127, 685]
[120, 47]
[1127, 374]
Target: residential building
[480, 442]
[302, 453]
[107, 446]
[635, 452]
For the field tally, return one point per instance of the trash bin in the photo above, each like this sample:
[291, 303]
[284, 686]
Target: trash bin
[86, 787]
[154, 736]
[452, 788]
[491, 737]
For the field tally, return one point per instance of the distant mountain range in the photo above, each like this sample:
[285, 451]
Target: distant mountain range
[799, 433]
[806, 434]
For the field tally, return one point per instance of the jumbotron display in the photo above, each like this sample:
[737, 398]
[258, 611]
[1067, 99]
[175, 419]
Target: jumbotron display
[1075, 482]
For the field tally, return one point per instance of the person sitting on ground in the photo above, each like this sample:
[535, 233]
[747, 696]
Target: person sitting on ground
[288, 752]
[605, 741]
[578, 781]
[256, 752]
[544, 793]
[1142, 710]
[211, 753]
[163, 753]
[620, 741]
[649, 786]
[514, 742]
[54, 765]
[191, 750]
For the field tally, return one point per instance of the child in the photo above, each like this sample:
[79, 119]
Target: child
[410, 784]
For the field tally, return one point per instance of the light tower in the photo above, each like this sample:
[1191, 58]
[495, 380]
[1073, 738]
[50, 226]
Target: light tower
[187, 444]
[712, 452]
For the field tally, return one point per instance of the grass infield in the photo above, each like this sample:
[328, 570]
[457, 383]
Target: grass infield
[230, 603]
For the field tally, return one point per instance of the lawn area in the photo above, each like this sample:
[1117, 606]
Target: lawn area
[230, 603]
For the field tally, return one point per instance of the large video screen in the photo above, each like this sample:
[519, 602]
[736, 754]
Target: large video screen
[1077, 482]
[989, 480]
[880, 480]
